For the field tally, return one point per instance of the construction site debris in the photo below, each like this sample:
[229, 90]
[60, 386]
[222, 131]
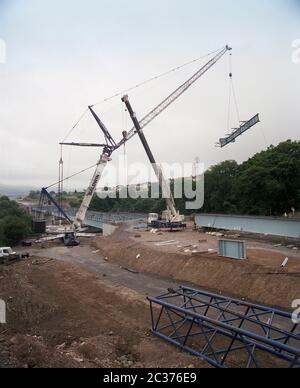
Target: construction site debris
[199, 253]
[40, 262]
[216, 234]
[27, 243]
[165, 243]
[140, 226]
[131, 270]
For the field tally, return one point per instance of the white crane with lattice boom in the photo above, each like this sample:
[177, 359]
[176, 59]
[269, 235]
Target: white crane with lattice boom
[111, 146]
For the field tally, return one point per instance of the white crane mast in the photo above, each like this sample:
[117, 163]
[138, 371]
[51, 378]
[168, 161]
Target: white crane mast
[81, 214]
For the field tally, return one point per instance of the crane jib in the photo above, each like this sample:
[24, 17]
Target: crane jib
[174, 96]
[111, 146]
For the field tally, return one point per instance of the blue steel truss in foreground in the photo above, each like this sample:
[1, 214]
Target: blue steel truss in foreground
[226, 332]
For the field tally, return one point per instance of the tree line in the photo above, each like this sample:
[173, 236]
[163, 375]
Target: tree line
[267, 184]
[14, 223]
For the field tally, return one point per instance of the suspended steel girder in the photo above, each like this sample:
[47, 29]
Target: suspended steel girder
[239, 131]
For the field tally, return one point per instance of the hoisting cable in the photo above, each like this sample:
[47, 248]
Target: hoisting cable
[124, 126]
[229, 99]
[236, 103]
[75, 125]
[72, 176]
[232, 94]
[119, 94]
[237, 109]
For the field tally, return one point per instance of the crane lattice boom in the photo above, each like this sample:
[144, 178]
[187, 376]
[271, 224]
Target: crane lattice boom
[175, 95]
[111, 146]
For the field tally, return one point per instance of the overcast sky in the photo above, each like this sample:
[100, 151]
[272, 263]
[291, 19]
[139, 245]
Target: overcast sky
[62, 55]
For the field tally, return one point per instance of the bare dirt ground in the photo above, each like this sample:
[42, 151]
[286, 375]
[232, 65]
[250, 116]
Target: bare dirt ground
[87, 307]
[259, 279]
[62, 316]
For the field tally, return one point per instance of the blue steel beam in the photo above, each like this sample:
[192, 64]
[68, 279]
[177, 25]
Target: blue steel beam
[273, 226]
[239, 131]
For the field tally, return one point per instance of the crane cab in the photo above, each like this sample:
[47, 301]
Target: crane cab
[152, 217]
[70, 240]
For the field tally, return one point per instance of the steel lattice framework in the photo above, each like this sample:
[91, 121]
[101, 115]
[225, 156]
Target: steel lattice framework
[226, 332]
[239, 131]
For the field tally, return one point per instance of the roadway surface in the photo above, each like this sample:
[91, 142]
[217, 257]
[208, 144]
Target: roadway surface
[91, 261]
[145, 284]
[88, 259]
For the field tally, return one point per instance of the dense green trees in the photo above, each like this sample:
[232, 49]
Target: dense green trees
[130, 205]
[14, 223]
[266, 184]
[219, 184]
[34, 194]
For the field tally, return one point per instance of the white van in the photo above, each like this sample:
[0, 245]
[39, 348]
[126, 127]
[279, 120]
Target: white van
[6, 252]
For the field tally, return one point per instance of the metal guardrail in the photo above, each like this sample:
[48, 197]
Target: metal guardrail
[226, 332]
